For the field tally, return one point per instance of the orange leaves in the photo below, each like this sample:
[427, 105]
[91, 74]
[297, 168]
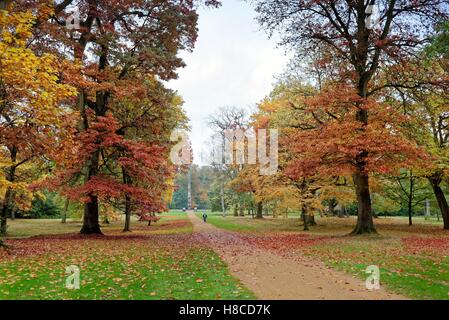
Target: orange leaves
[335, 99]
[31, 119]
[30, 82]
[333, 146]
[285, 244]
[418, 244]
[144, 163]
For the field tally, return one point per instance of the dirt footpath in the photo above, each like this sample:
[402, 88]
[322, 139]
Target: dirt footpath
[271, 276]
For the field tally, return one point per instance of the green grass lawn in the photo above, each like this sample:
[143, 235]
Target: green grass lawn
[249, 224]
[22, 228]
[157, 262]
[421, 275]
[326, 225]
[164, 260]
[135, 272]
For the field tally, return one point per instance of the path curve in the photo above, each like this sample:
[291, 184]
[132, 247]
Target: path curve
[271, 276]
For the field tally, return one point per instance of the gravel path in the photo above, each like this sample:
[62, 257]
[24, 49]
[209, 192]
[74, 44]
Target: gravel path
[271, 276]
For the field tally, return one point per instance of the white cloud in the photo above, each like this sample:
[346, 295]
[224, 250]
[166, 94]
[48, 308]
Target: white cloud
[233, 64]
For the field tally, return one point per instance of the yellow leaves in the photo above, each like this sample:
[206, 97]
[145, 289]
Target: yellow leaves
[45, 9]
[30, 81]
[16, 27]
[170, 189]
[31, 99]
[20, 185]
[344, 193]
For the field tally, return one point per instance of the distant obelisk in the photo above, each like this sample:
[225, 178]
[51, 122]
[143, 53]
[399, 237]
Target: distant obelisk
[427, 209]
[189, 189]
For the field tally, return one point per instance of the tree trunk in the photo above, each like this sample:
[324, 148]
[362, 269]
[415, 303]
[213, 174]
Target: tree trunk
[311, 220]
[265, 209]
[5, 212]
[259, 212]
[345, 211]
[241, 210]
[426, 209]
[149, 222]
[223, 208]
[410, 199]
[127, 180]
[236, 212]
[12, 212]
[409, 213]
[189, 189]
[64, 212]
[90, 220]
[304, 217]
[275, 211]
[364, 214]
[8, 200]
[409, 205]
[442, 202]
[339, 209]
[332, 204]
[361, 179]
[127, 213]
[91, 209]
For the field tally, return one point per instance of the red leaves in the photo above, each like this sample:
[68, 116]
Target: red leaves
[338, 136]
[145, 164]
[426, 244]
[284, 242]
[102, 186]
[100, 134]
[68, 244]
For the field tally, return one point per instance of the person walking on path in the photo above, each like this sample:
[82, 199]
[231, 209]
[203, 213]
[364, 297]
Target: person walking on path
[204, 216]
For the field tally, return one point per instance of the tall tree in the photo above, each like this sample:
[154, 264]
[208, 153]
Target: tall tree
[226, 123]
[360, 44]
[31, 117]
[114, 47]
[423, 91]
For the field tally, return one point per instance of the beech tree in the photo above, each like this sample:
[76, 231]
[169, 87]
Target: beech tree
[31, 116]
[225, 120]
[113, 47]
[149, 122]
[286, 109]
[420, 88]
[429, 107]
[360, 42]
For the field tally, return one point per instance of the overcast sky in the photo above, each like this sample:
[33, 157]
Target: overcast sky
[233, 64]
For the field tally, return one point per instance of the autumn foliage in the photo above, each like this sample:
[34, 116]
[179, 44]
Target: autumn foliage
[32, 110]
[85, 100]
[335, 138]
